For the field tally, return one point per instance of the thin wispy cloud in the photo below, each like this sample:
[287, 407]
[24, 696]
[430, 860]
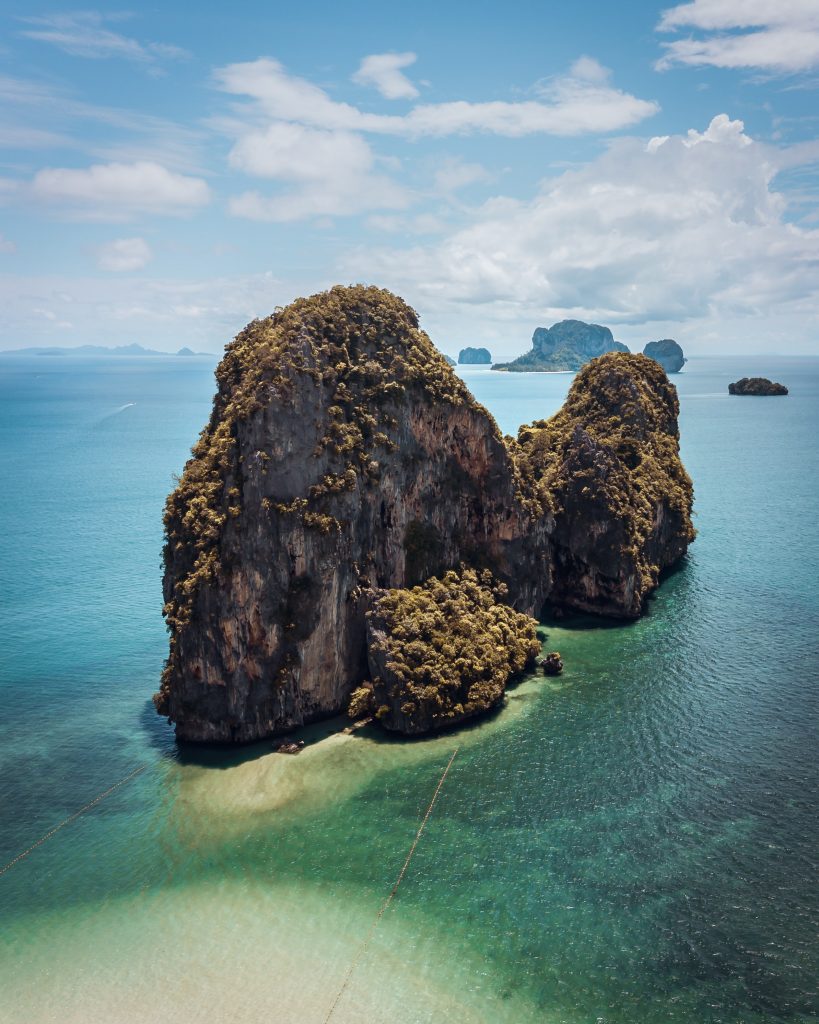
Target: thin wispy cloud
[129, 308]
[573, 104]
[123, 255]
[40, 115]
[776, 36]
[88, 34]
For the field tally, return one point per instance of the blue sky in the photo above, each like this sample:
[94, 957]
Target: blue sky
[169, 173]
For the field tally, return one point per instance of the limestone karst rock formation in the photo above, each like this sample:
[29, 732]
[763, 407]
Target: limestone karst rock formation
[567, 345]
[668, 353]
[343, 456]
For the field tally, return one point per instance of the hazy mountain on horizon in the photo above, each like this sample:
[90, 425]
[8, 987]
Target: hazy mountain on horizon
[99, 350]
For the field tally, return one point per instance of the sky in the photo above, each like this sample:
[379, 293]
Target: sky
[170, 172]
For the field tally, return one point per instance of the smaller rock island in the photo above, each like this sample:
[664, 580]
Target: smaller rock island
[475, 356]
[756, 386]
[450, 360]
[668, 353]
[566, 346]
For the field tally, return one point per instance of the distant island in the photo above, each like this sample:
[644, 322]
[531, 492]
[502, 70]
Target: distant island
[760, 386]
[667, 353]
[99, 350]
[475, 356]
[567, 345]
[405, 543]
[450, 360]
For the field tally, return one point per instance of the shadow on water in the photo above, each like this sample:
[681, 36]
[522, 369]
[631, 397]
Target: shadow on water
[677, 569]
[578, 622]
[230, 755]
[157, 732]
[222, 756]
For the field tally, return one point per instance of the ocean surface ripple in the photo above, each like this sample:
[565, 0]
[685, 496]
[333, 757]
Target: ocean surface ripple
[633, 842]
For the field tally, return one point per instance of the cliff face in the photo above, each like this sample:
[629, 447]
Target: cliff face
[567, 345]
[667, 353]
[475, 356]
[608, 463]
[343, 457]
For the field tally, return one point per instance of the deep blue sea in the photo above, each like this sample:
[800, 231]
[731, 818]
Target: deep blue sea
[633, 843]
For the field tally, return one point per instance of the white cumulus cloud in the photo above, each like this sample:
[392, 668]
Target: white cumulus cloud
[686, 230]
[383, 70]
[117, 191]
[331, 173]
[124, 254]
[292, 131]
[295, 153]
[779, 36]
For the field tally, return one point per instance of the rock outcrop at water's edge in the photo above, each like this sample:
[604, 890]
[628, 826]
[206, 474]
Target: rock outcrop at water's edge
[608, 465]
[756, 386]
[343, 457]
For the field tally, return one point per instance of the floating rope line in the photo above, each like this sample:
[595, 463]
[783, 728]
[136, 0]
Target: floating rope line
[362, 950]
[72, 817]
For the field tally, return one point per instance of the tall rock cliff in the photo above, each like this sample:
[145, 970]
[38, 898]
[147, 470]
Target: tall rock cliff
[608, 467]
[343, 457]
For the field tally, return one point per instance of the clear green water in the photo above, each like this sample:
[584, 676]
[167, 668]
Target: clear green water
[633, 843]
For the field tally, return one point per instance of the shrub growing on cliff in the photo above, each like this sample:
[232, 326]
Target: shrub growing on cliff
[444, 651]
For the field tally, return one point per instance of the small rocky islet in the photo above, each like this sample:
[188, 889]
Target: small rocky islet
[352, 526]
[759, 386]
[474, 357]
[668, 353]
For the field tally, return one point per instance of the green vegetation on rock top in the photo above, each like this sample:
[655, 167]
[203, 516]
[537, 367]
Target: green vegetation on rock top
[615, 445]
[444, 651]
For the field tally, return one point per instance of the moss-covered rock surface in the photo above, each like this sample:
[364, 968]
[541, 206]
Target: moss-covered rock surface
[443, 652]
[344, 457]
[608, 466]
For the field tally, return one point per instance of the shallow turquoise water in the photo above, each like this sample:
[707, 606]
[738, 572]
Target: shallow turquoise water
[634, 843]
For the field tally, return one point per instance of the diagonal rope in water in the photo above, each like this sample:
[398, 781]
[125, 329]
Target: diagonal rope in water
[73, 817]
[363, 948]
